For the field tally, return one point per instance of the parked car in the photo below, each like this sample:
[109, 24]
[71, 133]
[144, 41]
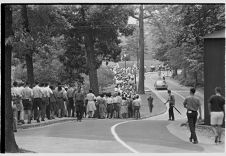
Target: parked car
[160, 84]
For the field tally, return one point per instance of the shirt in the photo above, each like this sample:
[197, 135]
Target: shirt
[109, 100]
[27, 93]
[37, 92]
[46, 91]
[216, 103]
[71, 92]
[90, 97]
[192, 103]
[136, 102]
[79, 96]
[119, 99]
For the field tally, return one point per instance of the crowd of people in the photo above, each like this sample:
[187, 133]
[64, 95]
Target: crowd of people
[46, 102]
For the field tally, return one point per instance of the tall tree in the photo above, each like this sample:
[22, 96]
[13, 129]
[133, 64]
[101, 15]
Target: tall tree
[10, 143]
[95, 39]
[29, 52]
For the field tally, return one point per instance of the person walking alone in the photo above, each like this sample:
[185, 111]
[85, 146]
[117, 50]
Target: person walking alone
[150, 103]
[217, 111]
[192, 104]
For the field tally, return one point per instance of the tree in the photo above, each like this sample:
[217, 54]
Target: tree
[94, 39]
[28, 55]
[10, 143]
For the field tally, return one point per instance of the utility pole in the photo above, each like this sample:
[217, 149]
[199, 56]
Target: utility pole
[141, 50]
[140, 59]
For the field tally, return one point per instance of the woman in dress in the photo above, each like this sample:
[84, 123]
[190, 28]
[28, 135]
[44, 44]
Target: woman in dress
[91, 104]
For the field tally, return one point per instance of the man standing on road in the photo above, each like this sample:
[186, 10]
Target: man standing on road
[150, 103]
[192, 104]
[171, 101]
[216, 110]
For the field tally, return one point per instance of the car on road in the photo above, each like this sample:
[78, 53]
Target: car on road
[160, 84]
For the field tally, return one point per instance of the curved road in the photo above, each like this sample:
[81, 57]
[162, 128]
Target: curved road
[151, 135]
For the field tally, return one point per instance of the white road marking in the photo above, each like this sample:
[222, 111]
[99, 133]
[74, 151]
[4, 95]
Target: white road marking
[121, 141]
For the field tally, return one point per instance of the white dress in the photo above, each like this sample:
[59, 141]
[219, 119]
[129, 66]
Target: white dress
[91, 104]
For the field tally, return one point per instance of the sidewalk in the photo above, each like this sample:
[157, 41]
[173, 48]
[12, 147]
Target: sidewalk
[44, 123]
[204, 133]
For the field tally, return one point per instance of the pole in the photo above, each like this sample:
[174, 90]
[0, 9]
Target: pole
[141, 49]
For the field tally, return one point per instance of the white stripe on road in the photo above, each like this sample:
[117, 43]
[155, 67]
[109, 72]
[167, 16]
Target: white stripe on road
[119, 140]
[114, 126]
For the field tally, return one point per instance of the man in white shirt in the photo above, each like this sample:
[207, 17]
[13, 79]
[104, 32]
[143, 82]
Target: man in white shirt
[27, 95]
[37, 94]
[48, 91]
[20, 109]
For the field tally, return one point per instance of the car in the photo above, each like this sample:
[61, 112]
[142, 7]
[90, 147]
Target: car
[160, 84]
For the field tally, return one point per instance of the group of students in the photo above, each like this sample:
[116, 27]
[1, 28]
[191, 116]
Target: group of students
[117, 105]
[42, 101]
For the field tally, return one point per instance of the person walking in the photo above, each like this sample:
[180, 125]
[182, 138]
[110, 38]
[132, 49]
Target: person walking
[52, 103]
[15, 102]
[91, 104]
[60, 96]
[192, 104]
[109, 106]
[171, 101]
[118, 106]
[37, 95]
[20, 107]
[136, 104]
[79, 103]
[216, 109]
[150, 103]
[27, 95]
[102, 106]
[48, 92]
[71, 100]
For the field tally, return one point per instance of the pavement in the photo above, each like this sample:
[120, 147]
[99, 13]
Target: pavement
[152, 134]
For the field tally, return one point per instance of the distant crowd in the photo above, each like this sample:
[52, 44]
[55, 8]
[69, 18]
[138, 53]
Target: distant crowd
[46, 102]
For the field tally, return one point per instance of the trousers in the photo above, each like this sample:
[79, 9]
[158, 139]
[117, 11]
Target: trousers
[192, 118]
[171, 113]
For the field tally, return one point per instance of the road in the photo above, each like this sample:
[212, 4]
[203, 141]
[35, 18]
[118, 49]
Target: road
[151, 135]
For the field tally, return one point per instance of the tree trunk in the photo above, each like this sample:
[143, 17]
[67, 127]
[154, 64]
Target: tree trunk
[28, 56]
[93, 80]
[10, 143]
[30, 70]
[141, 48]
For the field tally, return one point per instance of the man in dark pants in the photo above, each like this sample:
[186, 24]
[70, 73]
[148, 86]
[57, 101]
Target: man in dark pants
[37, 94]
[71, 100]
[192, 104]
[79, 102]
[171, 101]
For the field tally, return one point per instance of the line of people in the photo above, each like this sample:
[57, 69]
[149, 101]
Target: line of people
[43, 102]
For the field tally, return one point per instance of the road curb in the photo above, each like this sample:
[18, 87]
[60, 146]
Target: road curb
[27, 126]
[204, 128]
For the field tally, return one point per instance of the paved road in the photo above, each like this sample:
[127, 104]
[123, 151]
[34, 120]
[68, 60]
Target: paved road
[152, 135]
